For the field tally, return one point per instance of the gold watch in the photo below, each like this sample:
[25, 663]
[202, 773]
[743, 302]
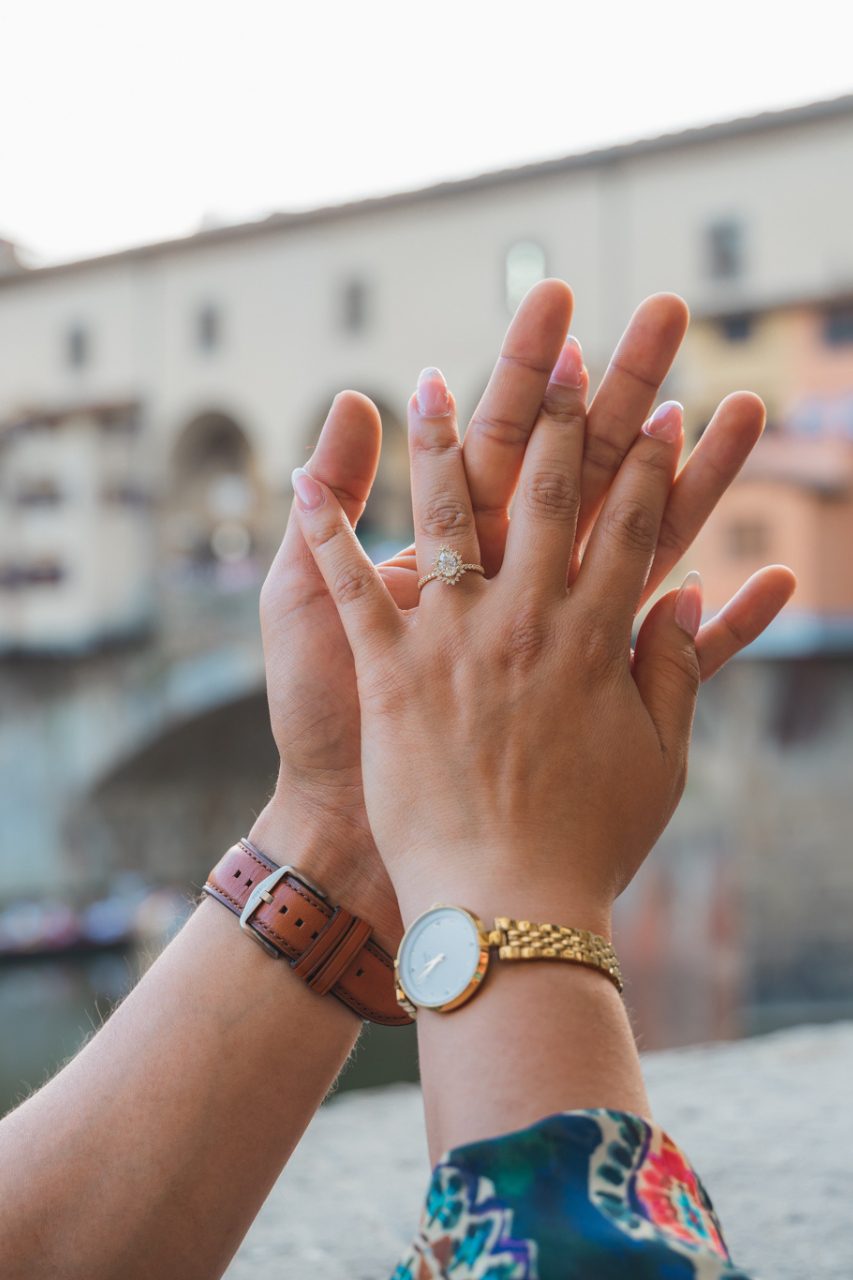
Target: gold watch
[445, 953]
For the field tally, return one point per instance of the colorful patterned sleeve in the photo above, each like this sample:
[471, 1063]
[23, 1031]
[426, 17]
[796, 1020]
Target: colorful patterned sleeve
[583, 1194]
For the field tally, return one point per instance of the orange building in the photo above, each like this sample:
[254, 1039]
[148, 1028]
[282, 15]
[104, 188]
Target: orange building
[793, 502]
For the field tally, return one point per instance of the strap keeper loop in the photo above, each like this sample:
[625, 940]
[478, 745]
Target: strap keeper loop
[332, 951]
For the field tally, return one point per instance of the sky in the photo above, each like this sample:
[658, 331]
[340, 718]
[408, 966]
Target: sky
[125, 122]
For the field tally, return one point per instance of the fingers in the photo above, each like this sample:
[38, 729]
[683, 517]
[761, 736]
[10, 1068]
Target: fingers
[368, 614]
[497, 435]
[722, 450]
[544, 517]
[441, 504]
[345, 459]
[743, 619]
[666, 666]
[621, 547]
[627, 392]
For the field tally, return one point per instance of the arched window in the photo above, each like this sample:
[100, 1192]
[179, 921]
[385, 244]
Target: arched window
[525, 266]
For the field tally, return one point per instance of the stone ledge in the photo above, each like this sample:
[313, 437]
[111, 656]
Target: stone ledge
[767, 1123]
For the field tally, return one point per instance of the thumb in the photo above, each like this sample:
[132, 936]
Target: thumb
[666, 668]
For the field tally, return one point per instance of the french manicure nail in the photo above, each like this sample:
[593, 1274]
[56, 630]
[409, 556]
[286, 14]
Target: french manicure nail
[666, 422]
[568, 371]
[433, 396]
[688, 604]
[309, 493]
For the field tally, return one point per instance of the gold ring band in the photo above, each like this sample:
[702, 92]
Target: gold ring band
[448, 568]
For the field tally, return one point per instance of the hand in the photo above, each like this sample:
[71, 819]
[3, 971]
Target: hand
[316, 818]
[432, 964]
[538, 762]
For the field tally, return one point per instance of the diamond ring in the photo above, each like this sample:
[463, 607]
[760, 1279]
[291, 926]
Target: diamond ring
[448, 568]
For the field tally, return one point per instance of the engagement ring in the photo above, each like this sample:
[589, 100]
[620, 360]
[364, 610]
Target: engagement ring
[448, 568]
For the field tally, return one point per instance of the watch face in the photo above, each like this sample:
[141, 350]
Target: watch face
[442, 958]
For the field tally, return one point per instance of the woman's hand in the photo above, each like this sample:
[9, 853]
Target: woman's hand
[317, 818]
[516, 759]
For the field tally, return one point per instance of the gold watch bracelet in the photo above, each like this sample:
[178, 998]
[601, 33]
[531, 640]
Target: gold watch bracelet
[524, 940]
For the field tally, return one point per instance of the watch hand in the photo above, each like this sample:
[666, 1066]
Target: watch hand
[428, 968]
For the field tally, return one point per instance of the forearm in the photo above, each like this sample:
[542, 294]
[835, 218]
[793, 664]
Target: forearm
[539, 1037]
[152, 1151]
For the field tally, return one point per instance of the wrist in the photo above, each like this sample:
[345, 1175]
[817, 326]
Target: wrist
[519, 897]
[334, 851]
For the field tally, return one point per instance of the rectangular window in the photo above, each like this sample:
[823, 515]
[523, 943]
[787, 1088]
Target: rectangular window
[208, 328]
[838, 325]
[725, 250]
[38, 493]
[41, 573]
[77, 346]
[123, 494]
[747, 539]
[736, 328]
[355, 300]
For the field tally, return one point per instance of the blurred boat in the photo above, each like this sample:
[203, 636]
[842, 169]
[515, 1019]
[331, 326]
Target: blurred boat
[130, 914]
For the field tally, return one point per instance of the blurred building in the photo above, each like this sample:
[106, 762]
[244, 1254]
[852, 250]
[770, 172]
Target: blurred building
[231, 343]
[794, 500]
[153, 403]
[75, 531]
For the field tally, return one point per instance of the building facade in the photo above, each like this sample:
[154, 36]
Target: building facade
[230, 344]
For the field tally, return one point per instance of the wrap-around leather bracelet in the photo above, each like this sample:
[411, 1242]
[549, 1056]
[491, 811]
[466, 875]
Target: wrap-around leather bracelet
[328, 948]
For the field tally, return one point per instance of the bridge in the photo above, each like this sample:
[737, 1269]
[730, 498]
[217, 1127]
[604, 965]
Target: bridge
[69, 724]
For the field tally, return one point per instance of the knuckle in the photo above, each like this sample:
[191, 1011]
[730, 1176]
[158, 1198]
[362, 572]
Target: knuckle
[552, 494]
[434, 437]
[325, 535]
[679, 668]
[564, 406]
[445, 515]
[655, 461]
[352, 583]
[670, 538]
[632, 526]
[525, 641]
[602, 454]
[500, 431]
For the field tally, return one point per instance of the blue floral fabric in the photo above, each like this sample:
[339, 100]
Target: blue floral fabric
[585, 1195]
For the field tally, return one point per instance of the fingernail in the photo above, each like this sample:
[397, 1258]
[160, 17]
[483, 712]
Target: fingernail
[688, 604]
[665, 423]
[433, 396]
[568, 371]
[308, 493]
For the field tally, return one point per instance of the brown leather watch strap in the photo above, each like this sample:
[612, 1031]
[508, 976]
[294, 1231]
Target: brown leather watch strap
[328, 947]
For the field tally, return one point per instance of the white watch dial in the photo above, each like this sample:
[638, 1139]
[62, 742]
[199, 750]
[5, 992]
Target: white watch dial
[439, 956]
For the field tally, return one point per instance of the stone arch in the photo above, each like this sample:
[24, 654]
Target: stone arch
[215, 497]
[165, 806]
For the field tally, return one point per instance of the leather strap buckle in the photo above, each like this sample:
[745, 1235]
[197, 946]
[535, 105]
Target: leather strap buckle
[261, 892]
[326, 946]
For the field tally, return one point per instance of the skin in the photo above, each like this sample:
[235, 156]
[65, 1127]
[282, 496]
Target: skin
[549, 755]
[311, 680]
[173, 1122]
